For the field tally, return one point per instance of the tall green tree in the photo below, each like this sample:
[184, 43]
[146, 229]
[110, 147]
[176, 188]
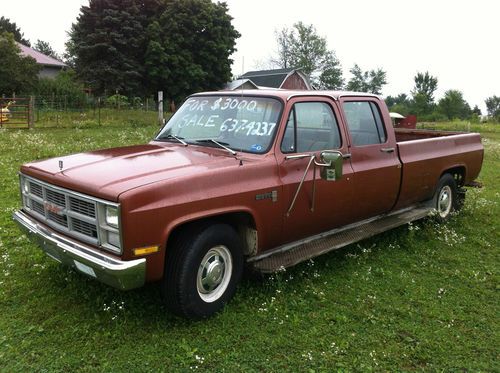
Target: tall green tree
[302, 47]
[423, 93]
[7, 26]
[198, 39]
[366, 81]
[18, 74]
[453, 105]
[107, 44]
[493, 107]
[45, 48]
[136, 47]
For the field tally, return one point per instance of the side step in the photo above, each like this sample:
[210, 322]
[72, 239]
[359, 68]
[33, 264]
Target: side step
[299, 251]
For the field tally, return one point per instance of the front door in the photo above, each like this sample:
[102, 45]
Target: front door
[317, 205]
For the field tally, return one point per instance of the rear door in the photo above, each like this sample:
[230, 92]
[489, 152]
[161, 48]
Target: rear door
[377, 169]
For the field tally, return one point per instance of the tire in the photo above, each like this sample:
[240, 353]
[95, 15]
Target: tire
[446, 199]
[202, 270]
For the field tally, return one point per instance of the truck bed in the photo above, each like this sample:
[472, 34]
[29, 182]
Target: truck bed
[413, 134]
[425, 155]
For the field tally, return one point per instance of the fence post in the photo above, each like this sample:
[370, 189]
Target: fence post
[160, 108]
[31, 112]
[99, 111]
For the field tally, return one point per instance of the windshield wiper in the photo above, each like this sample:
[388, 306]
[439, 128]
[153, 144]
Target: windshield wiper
[220, 144]
[179, 139]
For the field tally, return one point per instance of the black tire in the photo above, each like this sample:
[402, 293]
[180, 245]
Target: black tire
[203, 266]
[446, 199]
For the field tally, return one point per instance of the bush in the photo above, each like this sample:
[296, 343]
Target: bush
[64, 88]
[117, 101]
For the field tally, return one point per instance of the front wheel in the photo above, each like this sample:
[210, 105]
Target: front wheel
[203, 267]
[446, 199]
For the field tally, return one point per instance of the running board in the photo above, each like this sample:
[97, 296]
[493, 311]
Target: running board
[295, 252]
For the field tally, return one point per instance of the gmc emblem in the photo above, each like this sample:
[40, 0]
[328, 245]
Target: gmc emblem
[52, 208]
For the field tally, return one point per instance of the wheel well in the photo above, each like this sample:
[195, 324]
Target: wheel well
[242, 222]
[458, 174]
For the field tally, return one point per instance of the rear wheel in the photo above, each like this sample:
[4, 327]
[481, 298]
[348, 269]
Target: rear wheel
[446, 198]
[203, 267]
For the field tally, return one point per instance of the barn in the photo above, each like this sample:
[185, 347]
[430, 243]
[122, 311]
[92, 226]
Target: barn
[50, 67]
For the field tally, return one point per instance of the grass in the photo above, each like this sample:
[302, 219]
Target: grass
[420, 297]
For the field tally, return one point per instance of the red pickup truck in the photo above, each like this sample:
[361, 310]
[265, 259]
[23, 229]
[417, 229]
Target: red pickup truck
[264, 178]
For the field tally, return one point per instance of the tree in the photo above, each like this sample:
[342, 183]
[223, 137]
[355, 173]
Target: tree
[301, 47]
[493, 107]
[17, 73]
[138, 46]
[366, 81]
[423, 93]
[45, 48]
[107, 44]
[453, 105]
[7, 26]
[198, 39]
[400, 104]
[476, 110]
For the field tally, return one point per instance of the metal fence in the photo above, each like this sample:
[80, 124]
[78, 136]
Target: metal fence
[64, 110]
[16, 111]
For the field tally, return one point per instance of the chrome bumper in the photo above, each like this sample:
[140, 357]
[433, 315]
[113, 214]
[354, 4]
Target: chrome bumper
[122, 275]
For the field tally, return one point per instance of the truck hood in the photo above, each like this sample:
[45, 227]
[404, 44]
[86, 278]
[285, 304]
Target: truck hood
[108, 173]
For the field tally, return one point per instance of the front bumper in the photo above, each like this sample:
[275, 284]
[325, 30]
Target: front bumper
[120, 274]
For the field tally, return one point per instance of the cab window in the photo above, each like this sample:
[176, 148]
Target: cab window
[364, 122]
[311, 126]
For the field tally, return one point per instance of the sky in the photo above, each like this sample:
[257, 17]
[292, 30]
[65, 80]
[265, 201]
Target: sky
[456, 41]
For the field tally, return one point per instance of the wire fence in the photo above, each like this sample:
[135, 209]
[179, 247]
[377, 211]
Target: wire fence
[64, 110]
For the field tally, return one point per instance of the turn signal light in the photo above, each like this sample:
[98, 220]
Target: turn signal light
[146, 250]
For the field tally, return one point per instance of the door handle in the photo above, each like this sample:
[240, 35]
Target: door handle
[387, 150]
[346, 155]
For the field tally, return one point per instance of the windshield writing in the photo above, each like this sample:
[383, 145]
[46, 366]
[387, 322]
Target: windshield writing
[243, 123]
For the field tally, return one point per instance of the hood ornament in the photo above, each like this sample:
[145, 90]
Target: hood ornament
[60, 165]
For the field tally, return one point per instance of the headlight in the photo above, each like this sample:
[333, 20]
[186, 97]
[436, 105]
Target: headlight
[112, 216]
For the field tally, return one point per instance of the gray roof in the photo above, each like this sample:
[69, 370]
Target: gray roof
[39, 57]
[235, 84]
[268, 78]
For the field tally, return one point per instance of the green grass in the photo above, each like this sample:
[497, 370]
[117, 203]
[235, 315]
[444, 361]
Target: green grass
[420, 297]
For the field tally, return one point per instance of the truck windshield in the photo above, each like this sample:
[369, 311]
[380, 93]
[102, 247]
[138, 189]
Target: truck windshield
[240, 123]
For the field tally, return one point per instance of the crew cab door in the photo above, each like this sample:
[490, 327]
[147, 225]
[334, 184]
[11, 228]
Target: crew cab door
[317, 205]
[377, 169]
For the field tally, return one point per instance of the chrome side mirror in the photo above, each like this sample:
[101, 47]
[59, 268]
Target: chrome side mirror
[331, 165]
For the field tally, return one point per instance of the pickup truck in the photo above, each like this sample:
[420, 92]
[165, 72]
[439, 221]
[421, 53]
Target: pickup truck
[260, 178]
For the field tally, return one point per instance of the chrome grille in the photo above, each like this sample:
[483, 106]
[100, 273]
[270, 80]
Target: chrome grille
[36, 189]
[85, 228]
[63, 210]
[58, 198]
[38, 207]
[59, 219]
[83, 207]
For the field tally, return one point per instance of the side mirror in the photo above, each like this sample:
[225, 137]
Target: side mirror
[331, 165]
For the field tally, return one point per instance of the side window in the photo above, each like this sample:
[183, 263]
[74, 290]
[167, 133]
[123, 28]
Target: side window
[311, 126]
[364, 122]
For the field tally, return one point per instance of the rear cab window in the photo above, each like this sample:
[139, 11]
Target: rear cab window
[364, 122]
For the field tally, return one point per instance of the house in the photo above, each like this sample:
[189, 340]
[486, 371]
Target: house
[278, 78]
[50, 67]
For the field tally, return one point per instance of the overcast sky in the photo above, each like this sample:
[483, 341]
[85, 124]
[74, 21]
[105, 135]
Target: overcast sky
[457, 41]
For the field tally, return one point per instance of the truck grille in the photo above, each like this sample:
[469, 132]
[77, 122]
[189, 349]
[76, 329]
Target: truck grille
[63, 210]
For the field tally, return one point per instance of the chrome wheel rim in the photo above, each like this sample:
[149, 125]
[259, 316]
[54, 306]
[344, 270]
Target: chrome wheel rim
[214, 273]
[444, 201]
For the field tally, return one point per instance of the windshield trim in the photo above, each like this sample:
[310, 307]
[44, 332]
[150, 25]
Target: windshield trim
[228, 94]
